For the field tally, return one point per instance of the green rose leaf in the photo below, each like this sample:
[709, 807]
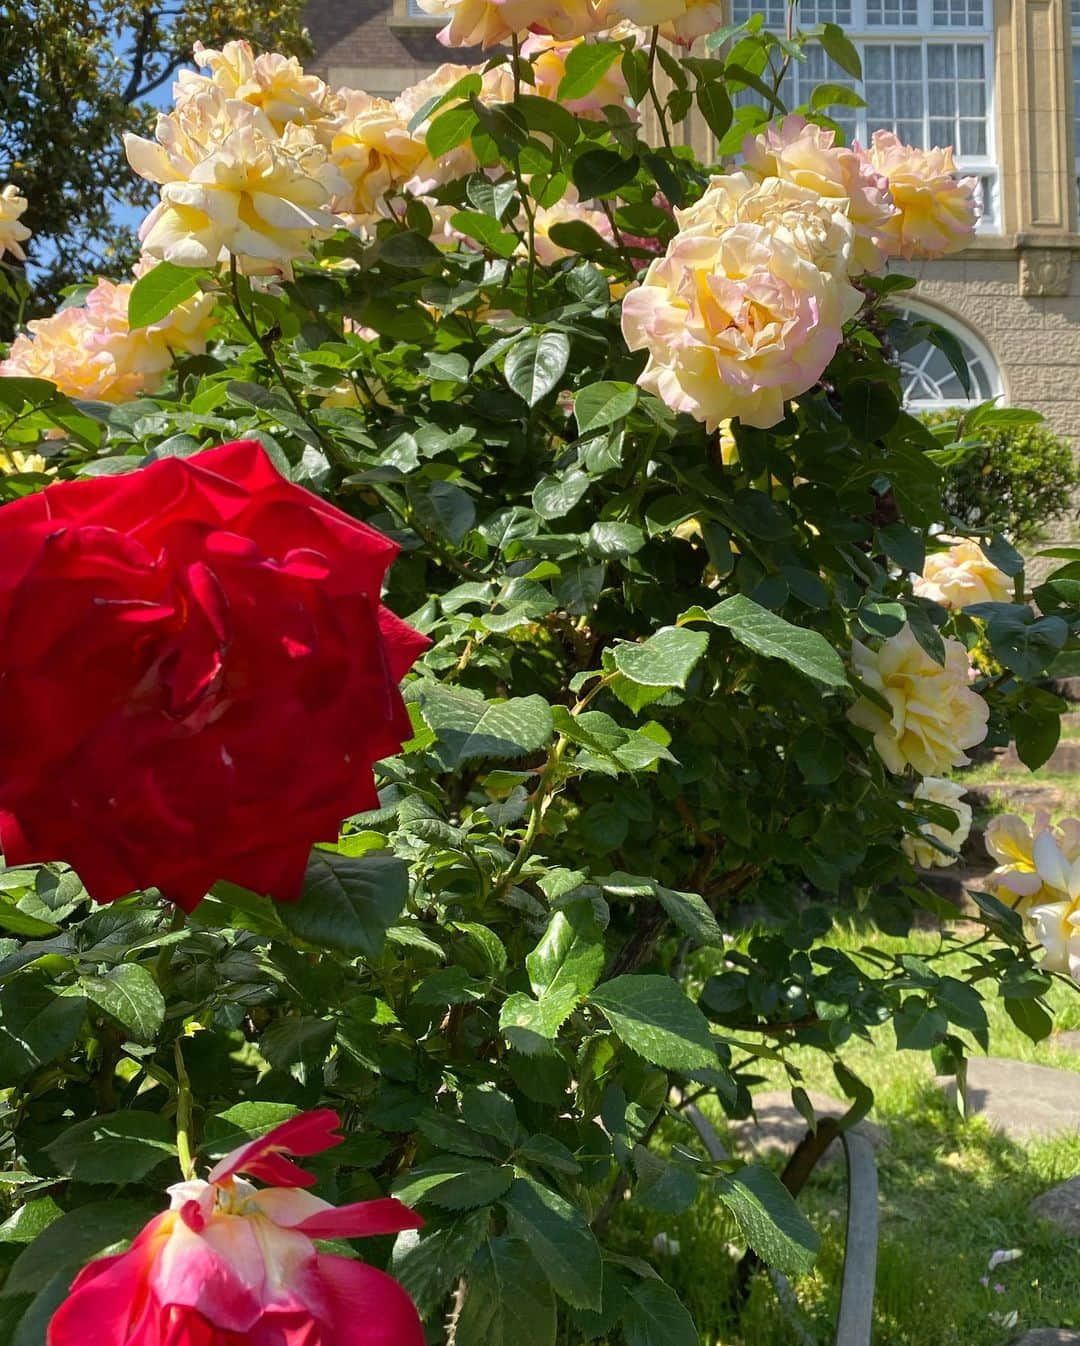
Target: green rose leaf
[767, 634]
[118, 1147]
[770, 1221]
[586, 66]
[129, 995]
[664, 660]
[655, 1316]
[655, 1018]
[468, 728]
[348, 902]
[508, 1302]
[535, 366]
[157, 292]
[558, 1237]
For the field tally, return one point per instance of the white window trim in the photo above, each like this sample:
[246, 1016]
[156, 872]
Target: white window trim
[920, 309]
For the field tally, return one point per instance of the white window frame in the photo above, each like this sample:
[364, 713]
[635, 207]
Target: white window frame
[918, 308]
[983, 167]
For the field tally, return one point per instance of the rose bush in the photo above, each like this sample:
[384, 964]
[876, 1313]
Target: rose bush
[632, 427]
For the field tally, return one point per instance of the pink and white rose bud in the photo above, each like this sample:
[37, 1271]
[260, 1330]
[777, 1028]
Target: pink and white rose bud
[230, 1264]
[937, 210]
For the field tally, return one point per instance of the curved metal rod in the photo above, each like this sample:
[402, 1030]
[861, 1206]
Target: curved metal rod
[855, 1321]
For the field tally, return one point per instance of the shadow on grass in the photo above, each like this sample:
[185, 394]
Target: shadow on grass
[952, 1192]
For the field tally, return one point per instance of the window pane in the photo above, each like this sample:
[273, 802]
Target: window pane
[909, 62]
[959, 14]
[911, 133]
[972, 137]
[941, 61]
[971, 60]
[877, 62]
[972, 100]
[895, 13]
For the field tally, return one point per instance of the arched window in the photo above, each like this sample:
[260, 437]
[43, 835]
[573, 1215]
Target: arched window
[929, 381]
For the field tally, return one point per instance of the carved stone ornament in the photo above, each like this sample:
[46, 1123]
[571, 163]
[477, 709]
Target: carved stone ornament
[1045, 272]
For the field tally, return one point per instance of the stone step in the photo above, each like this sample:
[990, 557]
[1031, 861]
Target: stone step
[1022, 1100]
[1048, 1336]
[1060, 1206]
[1018, 794]
[1064, 759]
[778, 1125]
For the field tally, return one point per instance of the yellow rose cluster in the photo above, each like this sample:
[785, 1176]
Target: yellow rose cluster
[485, 23]
[935, 844]
[747, 306]
[89, 351]
[933, 714]
[13, 234]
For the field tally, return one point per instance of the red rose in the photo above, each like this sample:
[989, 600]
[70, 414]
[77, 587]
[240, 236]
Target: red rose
[196, 676]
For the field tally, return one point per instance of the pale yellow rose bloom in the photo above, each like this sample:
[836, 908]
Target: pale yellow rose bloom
[566, 211]
[807, 155]
[548, 56]
[373, 153]
[275, 84]
[13, 462]
[933, 713]
[1056, 924]
[12, 234]
[816, 227]
[919, 848]
[937, 210]
[734, 323]
[1011, 842]
[699, 17]
[253, 194]
[963, 575]
[729, 450]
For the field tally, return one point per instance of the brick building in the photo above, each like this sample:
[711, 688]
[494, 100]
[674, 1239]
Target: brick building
[997, 79]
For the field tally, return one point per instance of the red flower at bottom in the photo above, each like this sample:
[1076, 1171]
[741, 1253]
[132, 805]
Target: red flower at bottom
[234, 1265]
[196, 675]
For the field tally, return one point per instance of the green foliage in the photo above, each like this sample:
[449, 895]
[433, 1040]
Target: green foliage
[1015, 479]
[607, 868]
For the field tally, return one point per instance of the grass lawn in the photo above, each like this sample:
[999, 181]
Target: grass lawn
[951, 1193]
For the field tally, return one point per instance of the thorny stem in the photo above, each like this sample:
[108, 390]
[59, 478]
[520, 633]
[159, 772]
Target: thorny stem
[183, 1115]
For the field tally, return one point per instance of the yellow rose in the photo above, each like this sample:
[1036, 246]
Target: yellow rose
[548, 56]
[275, 84]
[12, 233]
[566, 211]
[920, 848]
[1011, 842]
[487, 22]
[243, 190]
[699, 17]
[735, 323]
[373, 153]
[934, 715]
[963, 575]
[937, 210]
[806, 155]
[1056, 923]
[12, 462]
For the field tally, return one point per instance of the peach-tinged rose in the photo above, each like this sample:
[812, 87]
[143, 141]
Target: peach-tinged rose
[937, 210]
[799, 152]
[919, 847]
[548, 56]
[275, 84]
[496, 86]
[252, 194]
[963, 575]
[646, 13]
[933, 713]
[89, 351]
[484, 23]
[12, 234]
[735, 323]
[373, 153]
[568, 210]
[816, 227]
[698, 18]
[232, 1264]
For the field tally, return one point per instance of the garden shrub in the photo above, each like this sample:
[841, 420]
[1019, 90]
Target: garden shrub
[1016, 479]
[667, 693]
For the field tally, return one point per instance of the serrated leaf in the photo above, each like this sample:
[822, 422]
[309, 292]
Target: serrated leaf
[586, 65]
[767, 634]
[74, 1239]
[769, 1219]
[427, 1263]
[454, 1184]
[348, 902]
[558, 1237]
[508, 1302]
[655, 1316]
[601, 404]
[666, 659]
[129, 995]
[656, 1019]
[36, 1026]
[554, 497]
[468, 728]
